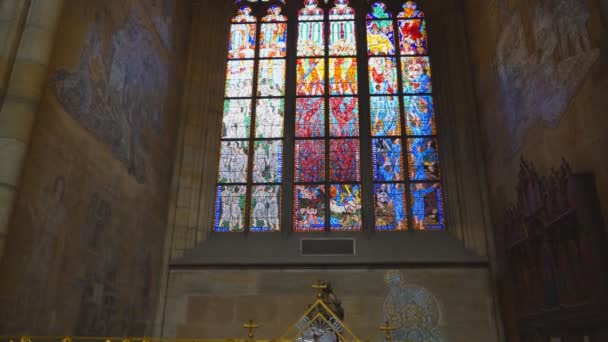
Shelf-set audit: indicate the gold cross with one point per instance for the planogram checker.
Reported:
(387, 329)
(319, 286)
(251, 326)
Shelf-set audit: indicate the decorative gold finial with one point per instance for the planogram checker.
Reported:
(126, 339)
(387, 330)
(146, 339)
(25, 339)
(67, 339)
(250, 326)
(319, 286)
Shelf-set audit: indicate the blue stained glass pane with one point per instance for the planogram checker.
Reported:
(382, 75)
(427, 206)
(385, 116)
(230, 208)
(268, 161)
(309, 208)
(420, 115)
(387, 159)
(389, 207)
(345, 207)
(239, 78)
(423, 160)
(269, 118)
(271, 80)
(273, 40)
(344, 118)
(237, 119)
(380, 38)
(233, 162)
(378, 11)
(310, 119)
(344, 160)
(242, 41)
(416, 75)
(266, 208)
(410, 10)
(243, 15)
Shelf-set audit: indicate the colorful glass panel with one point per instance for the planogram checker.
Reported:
(310, 118)
(273, 40)
(344, 160)
(416, 75)
(382, 75)
(420, 115)
(239, 78)
(387, 160)
(274, 14)
(310, 161)
(342, 38)
(378, 11)
(389, 207)
(427, 206)
(269, 118)
(343, 76)
(410, 10)
(342, 11)
(412, 36)
(345, 207)
(271, 78)
(311, 11)
(310, 76)
(237, 119)
(423, 159)
(233, 162)
(242, 41)
(230, 208)
(311, 39)
(385, 116)
(344, 117)
(309, 208)
(268, 161)
(380, 38)
(243, 15)
(265, 208)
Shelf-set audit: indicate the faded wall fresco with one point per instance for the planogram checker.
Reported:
(84, 249)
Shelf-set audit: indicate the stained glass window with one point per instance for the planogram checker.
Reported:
(401, 157)
(327, 154)
(251, 152)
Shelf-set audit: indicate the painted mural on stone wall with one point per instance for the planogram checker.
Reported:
(541, 62)
(412, 310)
(117, 90)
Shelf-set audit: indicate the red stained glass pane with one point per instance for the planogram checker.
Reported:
(310, 161)
(412, 37)
(310, 118)
(344, 118)
(344, 160)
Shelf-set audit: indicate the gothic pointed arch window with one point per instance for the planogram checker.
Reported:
(344, 137)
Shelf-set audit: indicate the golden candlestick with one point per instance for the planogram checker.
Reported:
(319, 286)
(387, 329)
(250, 326)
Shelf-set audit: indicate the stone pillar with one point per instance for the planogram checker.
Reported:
(604, 11)
(27, 28)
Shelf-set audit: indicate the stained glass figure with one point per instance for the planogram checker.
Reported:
(242, 41)
(420, 115)
(274, 14)
(239, 78)
(378, 11)
(382, 75)
(269, 118)
(387, 160)
(342, 41)
(310, 118)
(380, 38)
(410, 10)
(416, 75)
(345, 207)
(423, 159)
(344, 117)
(412, 36)
(311, 11)
(268, 161)
(244, 15)
(233, 162)
(385, 116)
(427, 206)
(343, 76)
(310, 161)
(341, 11)
(389, 207)
(311, 39)
(273, 40)
(230, 208)
(310, 76)
(265, 208)
(237, 119)
(344, 160)
(309, 208)
(271, 78)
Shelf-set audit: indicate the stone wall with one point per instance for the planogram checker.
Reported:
(541, 75)
(439, 304)
(83, 252)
